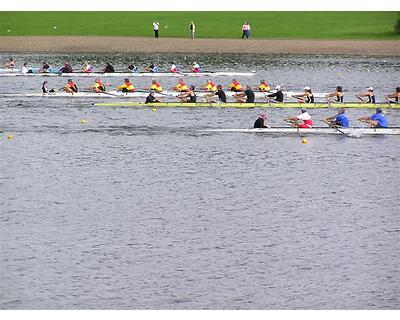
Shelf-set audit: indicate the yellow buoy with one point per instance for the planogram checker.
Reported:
(10, 137)
(154, 109)
(304, 140)
(83, 121)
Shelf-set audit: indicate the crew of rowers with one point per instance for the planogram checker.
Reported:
(216, 93)
(88, 68)
(304, 121)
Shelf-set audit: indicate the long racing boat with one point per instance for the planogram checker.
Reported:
(246, 105)
(18, 73)
(355, 131)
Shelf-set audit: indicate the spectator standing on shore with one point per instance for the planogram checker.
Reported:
(246, 30)
(155, 28)
(192, 29)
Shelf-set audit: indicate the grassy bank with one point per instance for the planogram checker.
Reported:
(285, 25)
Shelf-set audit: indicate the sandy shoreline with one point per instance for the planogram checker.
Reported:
(136, 44)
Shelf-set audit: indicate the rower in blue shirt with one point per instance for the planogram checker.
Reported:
(377, 120)
(339, 120)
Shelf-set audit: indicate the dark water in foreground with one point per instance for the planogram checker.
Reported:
(144, 210)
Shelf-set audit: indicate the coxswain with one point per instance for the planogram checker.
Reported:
(189, 96)
(338, 95)
(45, 88)
(261, 122)
(127, 86)
(303, 116)
(305, 97)
(151, 97)
(263, 86)
(10, 64)
(210, 86)
(71, 87)
(246, 96)
(195, 67)
(45, 68)
(278, 95)
(235, 86)
(151, 68)
(98, 86)
(155, 85)
(108, 68)
(338, 120)
(377, 120)
(132, 68)
(395, 96)
(66, 69)
(174, 68)
(181, 86)
(86, 67)
(220, 94)
(370, 94)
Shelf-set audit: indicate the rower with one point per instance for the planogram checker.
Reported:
(263, 86)
(45, 88)
(246, 96)
(10, 64)
(174, 68)
(181, 86)
(98, 86)
(25, 69)
(71, 87)
(395, 96)
(155, 86)
(66, 69)
(86, 67)
(189, 96)
(338, 120)
(45, 68)
(151, 97)
(195, 67)
(278, 95)
(132, 68)
(261, 122)
(235, 86)
(210, 86)
(370, 94)
(108, 68)
(338, 94)
(377, 120)
(151, 68)
(303, 116)
(220, 94)
(305, 97)
(127, 86)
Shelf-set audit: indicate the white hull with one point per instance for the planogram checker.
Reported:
(17, 73)
(319, 130)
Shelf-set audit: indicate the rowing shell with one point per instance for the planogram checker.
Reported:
(247, 105)
(139, 94)
(12, 73)
(356, 131)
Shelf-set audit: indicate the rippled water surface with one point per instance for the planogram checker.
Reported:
(142, 209)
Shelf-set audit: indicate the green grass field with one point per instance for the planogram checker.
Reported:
(284, 25)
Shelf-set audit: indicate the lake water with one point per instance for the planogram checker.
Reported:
(142, 209)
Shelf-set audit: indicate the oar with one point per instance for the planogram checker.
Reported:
(388, 101)
(104, 92)
(336, 128)
(360, 98)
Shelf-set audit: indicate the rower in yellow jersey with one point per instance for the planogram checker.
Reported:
(210, 86)
(263, 86)
(98, 86)
(181, 86)
(156, 86)
(127, 86)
